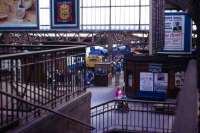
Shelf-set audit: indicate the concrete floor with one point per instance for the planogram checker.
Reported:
(103, 94)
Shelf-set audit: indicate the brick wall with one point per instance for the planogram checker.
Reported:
(157, 25)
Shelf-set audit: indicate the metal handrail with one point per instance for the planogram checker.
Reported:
(134, 116)
(35, 46)
(49, 110)
(137, 101)
(41, 52)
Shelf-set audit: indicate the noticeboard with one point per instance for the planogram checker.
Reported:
(19, 14)
(146, 81)
(177, 33)
(65, 14)
(153, 82)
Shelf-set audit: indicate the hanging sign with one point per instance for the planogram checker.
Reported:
(65, 14)
(155, 68)
(177, 33)
(174, 32)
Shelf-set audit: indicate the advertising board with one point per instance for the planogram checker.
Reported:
(65, 14)
(178, 33)
(19, 14)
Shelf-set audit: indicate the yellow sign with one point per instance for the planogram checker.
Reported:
(92, 60)
(64, 11)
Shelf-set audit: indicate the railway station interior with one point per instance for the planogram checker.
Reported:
(99, 66)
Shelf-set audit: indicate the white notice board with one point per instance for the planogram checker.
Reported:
(146, 81)
(174, 32)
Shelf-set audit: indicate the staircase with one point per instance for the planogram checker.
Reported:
(133, 116)
(22, 117)
(26, 92)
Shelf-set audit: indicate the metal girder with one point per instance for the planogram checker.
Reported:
(190, 6)
(180, 4)
(170, 6)
(89, 38)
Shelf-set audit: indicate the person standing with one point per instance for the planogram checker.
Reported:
(118, 73)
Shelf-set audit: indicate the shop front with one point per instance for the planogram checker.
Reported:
(154, 77)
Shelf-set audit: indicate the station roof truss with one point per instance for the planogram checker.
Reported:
(88, 38)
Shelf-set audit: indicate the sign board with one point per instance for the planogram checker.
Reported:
(179, 79)
(146, 81)
(174, 32)
(155, 68)
(153, 82)
(177, 33)
(19, 14)
(130, 80)
(160, 82)
(65, 14)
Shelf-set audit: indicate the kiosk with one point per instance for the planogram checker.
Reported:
(154, 77)
(102, 71)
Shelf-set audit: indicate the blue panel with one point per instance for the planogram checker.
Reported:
(188, 33)
(149, 95)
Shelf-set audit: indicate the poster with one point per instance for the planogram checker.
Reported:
(130, 80)
(179, 79)
(19, 14)
(65, 14)
(160, 82)
(146, 81)
(174, 32)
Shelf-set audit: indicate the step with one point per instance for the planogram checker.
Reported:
(10, 125)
